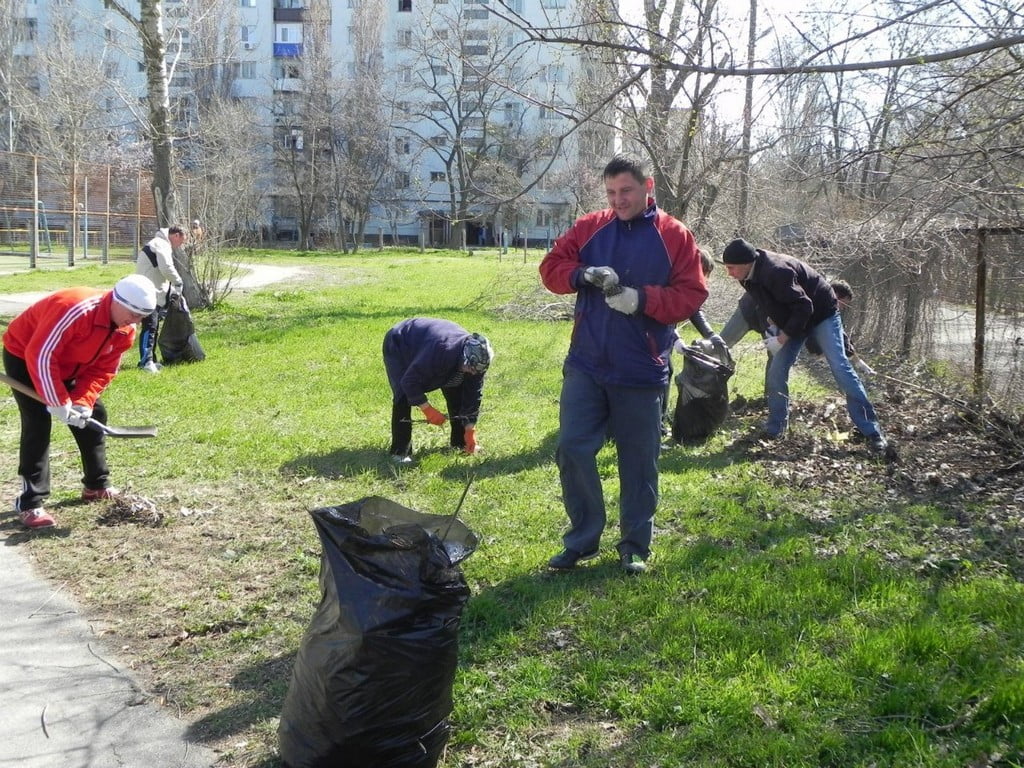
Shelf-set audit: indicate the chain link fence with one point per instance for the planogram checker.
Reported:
(52, 215)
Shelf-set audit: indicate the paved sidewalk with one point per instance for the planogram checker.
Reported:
(66, 701)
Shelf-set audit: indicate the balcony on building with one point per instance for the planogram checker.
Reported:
(290, 10)
(287, 50)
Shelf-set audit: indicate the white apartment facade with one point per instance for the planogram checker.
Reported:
(456, 72)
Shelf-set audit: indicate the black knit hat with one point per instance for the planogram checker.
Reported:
(739, 251)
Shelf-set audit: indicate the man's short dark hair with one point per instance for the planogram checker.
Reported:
(624, 164)
(842, 289)
(175, 230)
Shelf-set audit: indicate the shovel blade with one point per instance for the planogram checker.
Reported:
(110, 431)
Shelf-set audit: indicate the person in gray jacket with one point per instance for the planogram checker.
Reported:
(156, 262)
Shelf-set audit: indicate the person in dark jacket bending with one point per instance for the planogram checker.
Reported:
(802, 305)
(636, 272)
(424, 354)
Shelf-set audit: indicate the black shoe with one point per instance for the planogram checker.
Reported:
(878, 444)
(632, 563)
(764, 434)
(567, 559)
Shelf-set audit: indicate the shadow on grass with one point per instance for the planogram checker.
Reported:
(264, 685)
(346, 462)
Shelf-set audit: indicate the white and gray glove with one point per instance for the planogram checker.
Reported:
(626, 301)
(67, 414)
(601, 277)
(863, 367)
(771, 340)
(678, 346)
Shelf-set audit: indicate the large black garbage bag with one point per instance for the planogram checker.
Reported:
(372, 683)
(177, 339)
(702, 402)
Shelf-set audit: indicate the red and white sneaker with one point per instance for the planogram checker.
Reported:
(36, 518)
(96, 494)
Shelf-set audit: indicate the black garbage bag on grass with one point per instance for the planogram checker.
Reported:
(177, 338)
(372, 682)
(702, 402)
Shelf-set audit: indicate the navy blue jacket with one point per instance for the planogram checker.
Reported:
(423, 354)
(653, 253)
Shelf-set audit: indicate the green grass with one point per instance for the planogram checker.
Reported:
(763, 636)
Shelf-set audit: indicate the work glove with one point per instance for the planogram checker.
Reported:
(771, 339)
(773, 344)
(716, 340)
(601, 277)
(470, 440)
(83, 410)
(67, 414)
(433, 415)
(678, 346)
(626, 301)
(863, 367)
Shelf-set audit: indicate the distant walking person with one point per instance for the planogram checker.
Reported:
(424, 354)
(636, 272)
(67, 347)
(156, 262)
(801, 305)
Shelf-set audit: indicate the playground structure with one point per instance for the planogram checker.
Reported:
(50, 213)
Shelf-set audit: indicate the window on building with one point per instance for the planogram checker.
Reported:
(438, 176)
(511, 111)
(405, 74)
(110, 35)
(553, 73)
(110, 69)
(248, 33)
(548, 113)
(402, 180)
(402, 146)
(405, 6)
(292, 139)
(247, 70)
(476, 34)
(475, 50)
(403, 107)
(404, 37)
(440, 34)
(475, 14)
(247, 3)
(516, 6)
(543, 218)
(441, 140)
(438, 69)
(438, 106)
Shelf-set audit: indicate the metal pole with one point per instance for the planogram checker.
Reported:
(981, 279)
(33, 247)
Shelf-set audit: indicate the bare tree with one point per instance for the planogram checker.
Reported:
(149, 25)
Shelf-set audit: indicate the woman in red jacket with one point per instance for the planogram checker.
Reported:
(68, 346)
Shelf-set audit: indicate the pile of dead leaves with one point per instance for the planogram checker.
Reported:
(131, 509)
(943, 453)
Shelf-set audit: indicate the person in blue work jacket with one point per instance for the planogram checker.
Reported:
(424, 354)
(636, 272)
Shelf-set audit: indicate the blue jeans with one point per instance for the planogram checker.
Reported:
(588, 412)
(829, 336)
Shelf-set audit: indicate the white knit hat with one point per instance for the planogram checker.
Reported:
(137, 293)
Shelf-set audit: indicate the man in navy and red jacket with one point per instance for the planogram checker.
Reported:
(636, 272)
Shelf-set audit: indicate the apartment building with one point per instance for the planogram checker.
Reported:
(470, 111)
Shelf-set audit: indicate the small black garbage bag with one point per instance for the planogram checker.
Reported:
(177, 339)
(702, 402)
(372, 682)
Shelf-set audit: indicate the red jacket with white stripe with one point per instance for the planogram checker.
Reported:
(70, 336)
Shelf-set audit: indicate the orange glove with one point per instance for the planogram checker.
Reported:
(433, 415)
(470, 440)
